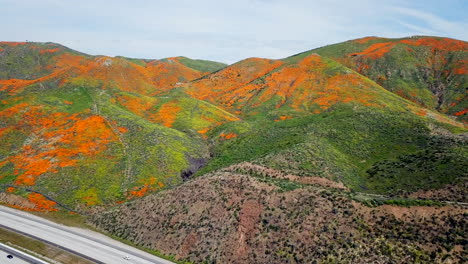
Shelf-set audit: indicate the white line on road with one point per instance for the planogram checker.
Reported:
(85, 242)
(18, 256)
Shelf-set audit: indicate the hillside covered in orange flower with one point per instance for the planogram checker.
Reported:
(97, 130)
(76, 127)
(430, 71)
(29, 63)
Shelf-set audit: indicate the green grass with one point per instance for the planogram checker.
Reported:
(202, 65)
(141, 62)
(147, 150)
(374, 201)
(411, 71)
(347, 145)
(65, 218)
(385, 149)
(26, 61)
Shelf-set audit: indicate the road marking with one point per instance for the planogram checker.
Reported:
(83, 242)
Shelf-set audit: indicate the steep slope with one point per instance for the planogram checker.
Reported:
(430, 71)
(75, 145)
(314, 117)
(29, 63)
(262, 161)
(81, 129)
(177, 110)
(214, 87)
(237, 217)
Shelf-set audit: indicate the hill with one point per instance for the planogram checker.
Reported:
(430, 71)
(237, 217)
(308, 158)
(77, 127)
(315, 117)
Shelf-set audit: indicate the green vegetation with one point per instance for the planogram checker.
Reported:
(353, 145)
(141, 62)
(202, 65)
(425, 70)
(65, 218)
(328, 122)
(375, 200)
(99, 131)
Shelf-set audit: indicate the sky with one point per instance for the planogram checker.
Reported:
(225, 31)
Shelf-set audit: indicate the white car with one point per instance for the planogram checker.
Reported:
(127, 258)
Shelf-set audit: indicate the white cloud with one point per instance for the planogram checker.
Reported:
(435, 23)
(226, 31)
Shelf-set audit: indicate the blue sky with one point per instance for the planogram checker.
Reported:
(226, 31)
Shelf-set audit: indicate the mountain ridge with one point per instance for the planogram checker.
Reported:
(262, 144)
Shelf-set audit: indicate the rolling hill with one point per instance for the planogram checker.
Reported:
(192, 157)
(430, 71)
(76, 127)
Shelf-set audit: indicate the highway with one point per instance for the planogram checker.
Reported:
(16, 256)
(86, 243)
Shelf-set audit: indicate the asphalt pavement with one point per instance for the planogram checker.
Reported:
(86, 243)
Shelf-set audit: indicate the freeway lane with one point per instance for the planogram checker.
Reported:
(93, 245)
(18, 257)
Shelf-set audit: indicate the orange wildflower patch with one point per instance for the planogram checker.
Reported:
(462, 112)
(462, 67)
(445, 44)
(421, 112)
(168, 73)
(228, 135)
(203, 131)
(42, 203)
(296, 85)
(282, 118)
(36, 202)
(151, 184)
(341, 88)
(461, 71)
(57, 140)
(364, 40)
(225, 84)
(122, 129)
(44, 51)
(68, 102)
(13, 86)
(9, 112)
(127, 76)
(12, 44)
(138, 105)
(376, 50)
(67, 60)
(11, 189)
(167, 114)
